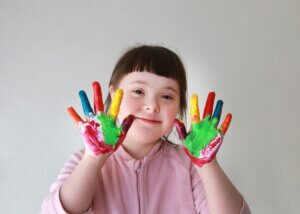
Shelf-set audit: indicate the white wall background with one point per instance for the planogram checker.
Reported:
(246, 51)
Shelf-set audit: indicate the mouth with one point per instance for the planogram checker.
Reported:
(149, 121)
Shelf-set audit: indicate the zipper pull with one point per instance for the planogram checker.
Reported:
(137, 165)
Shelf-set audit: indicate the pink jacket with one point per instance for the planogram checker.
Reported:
(165, 181)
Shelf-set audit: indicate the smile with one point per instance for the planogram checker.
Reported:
(149, 121)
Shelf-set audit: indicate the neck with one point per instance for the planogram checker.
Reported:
(138, 150)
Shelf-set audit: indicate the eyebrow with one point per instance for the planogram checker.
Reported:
(145, 83)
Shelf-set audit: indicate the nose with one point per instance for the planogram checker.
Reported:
(151, 106)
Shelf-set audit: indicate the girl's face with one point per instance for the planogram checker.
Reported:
(153, 100)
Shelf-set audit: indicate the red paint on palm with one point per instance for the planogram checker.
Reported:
(93, 138)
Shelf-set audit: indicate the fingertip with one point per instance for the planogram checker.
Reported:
(76, 118)
(96, 84)
(177, 121)
(119, 92)
(220, 102)
(127, 122)
(211, 94)
(130, 118)
(194, 96)
(82, 93)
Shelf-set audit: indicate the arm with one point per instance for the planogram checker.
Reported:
(201, 144)
(101, 137)
(76, 193)
(222, 196)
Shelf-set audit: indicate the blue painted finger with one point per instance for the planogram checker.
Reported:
(218, 111)
(86, 106)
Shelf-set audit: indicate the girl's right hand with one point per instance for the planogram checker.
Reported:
(99, 131)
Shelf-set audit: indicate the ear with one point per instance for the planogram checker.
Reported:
(111, 92)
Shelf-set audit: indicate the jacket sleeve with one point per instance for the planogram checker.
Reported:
(52, 203)
(200, 197)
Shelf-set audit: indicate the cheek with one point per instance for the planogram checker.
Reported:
(128, 106)
(171, 115)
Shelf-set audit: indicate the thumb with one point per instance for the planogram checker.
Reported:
(180, 127)
(127, 122)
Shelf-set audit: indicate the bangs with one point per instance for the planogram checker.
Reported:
(157, 60)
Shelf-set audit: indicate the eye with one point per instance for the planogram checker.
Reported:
(167, 97)
(137, 91)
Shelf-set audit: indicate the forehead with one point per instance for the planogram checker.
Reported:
(150, 79)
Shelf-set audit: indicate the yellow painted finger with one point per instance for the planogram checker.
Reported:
(194, 109)
(115, 105)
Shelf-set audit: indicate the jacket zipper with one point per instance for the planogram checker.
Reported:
(137, 171)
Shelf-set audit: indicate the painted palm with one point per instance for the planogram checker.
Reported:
(204, 139)
(99, 131)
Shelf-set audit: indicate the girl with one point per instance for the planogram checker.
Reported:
(128, 165)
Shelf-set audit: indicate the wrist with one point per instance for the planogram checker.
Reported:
(99, 159)
(208, 167)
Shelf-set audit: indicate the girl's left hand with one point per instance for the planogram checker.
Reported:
(204, 139)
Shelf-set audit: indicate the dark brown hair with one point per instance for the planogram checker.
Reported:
(155, 59)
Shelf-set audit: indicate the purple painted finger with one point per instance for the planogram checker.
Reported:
(127, 123)
(180, 127)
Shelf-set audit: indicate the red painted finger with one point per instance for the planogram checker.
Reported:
(225, 124)
(98, 102)
(209, 104)
(74, 115)
(180, 127)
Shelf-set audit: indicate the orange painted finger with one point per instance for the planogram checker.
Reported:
(116, 103)
(225, 124)
(194, 109)
(209, 104)
(74, 115)
(98, 101)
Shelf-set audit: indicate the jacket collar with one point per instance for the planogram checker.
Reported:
(121, 153)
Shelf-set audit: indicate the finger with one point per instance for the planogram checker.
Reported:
(180, 127)
(194, 109)
(226, 124)
(77, 119)
(98, 102)
(218, 112)
(127, 123)
(86, 106)
(209, 104)
(115, 105)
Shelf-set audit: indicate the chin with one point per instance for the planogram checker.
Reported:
(143, 135)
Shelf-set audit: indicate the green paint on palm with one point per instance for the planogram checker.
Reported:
(201, 134)
(109, 129)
